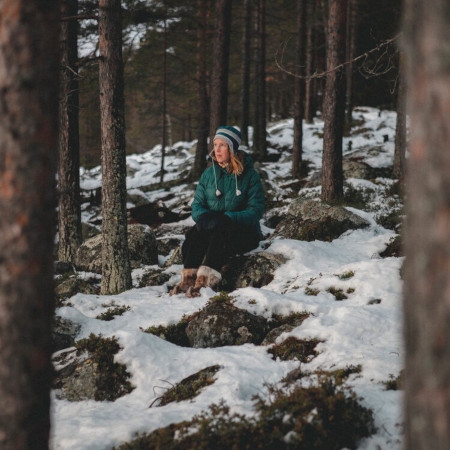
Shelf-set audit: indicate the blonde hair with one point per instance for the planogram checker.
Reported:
(236, 163)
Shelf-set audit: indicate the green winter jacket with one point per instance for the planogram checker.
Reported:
(245, 209)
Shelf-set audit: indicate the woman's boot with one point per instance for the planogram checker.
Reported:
(206, 277)
(188, 277)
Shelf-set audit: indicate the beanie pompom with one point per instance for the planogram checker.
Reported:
(231, 135)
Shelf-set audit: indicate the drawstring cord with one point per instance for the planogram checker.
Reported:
(218, 193)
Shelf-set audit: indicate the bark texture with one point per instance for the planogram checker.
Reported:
(69, 212)
(116, 272)
(203, 98)
(400, 127)
(299, 91)
(427, 263)
(259, 134)
(28, 149)
(220, 64)
(334, 104)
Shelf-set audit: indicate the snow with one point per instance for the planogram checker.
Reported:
(363, 330)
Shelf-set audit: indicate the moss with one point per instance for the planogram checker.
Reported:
(174, 333)
(112, 312)
(359, 197)
(323, 416)
(393, 248)
(294, 318)
(394, 383)
(294, 348)
(189, 387)
(222, 297)
(327, 230)
(326, 416)
(346, 275)
(311, 291)
(113, 379)
(338, 293)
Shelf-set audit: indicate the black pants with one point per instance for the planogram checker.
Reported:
(213, 247)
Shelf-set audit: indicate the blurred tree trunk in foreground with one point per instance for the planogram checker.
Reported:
(334, 104)
(69, 212)
(427, 236)
(116, 271)
(29, 62)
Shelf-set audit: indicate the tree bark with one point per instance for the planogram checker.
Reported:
(69, 211)
(29, 58)
(400, 127)
(203, 99)
(352, 15)
(299, 91)
(246, 67)
(334, 105)
(116, 272)
(310, 104)
(220, 65)
(427, 231)
(259, 133)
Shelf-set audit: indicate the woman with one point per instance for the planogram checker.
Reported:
(227, 207)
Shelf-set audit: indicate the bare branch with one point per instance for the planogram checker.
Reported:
(379, 68)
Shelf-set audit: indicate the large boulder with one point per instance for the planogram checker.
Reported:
(142, 248)
(254, 270)
(352, 168)
(220, 323)
(309, 220)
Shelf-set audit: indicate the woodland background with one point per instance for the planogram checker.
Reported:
(375, 76)
(169, 70)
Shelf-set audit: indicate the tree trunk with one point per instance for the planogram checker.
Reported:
(116, 272)
(259, 134)
(221, 57)
(310, 104)
(299, 91)
(427, 232)
(400, 128)
(202, 89)
(29, 58)
(246, 56)
(334, 105)
(352, 14)
(69, 211)
(164, 101)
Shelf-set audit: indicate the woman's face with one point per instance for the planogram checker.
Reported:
(221, 151)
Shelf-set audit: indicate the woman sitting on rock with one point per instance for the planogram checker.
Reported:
(227, 207)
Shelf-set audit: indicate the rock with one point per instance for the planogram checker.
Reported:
(255, 270)
(154, 277)
(67, 287)
(63, 267)
(351, 168)
(63, 333)
(142, 249)
(76, 377)
(310, 220)
(220, 323)
(142, 246)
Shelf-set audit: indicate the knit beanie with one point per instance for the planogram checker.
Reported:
(231, 135)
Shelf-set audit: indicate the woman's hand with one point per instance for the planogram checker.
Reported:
(210, 220)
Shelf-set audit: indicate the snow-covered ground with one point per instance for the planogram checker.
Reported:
(363, 330)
